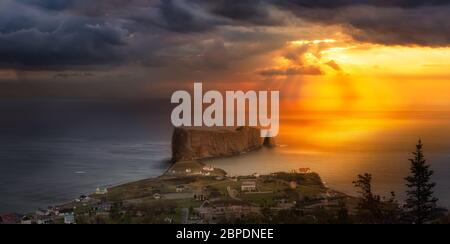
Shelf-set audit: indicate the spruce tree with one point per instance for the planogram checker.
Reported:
(372, 208)
(420, 203)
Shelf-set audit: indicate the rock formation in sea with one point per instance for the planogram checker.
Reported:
(194, 144)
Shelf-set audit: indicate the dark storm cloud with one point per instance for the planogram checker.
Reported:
(50, 4)
(390, 22)
(31, 38)
(333, 4)
(186, 16)
(74, 43)
(54, 34)
(50, 34)
(247, 11)
(424, 26)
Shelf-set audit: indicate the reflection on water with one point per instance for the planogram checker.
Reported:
(341, 146)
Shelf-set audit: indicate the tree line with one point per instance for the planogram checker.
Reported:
(420, 206)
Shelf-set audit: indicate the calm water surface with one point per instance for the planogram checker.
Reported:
(52, 151)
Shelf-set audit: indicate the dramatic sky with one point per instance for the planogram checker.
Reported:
(328, 54)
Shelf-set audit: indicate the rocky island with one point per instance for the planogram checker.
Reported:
(196, 144)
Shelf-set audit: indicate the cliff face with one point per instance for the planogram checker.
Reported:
(195, 144)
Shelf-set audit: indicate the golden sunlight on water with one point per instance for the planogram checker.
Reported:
(366, 118)
(339, 146)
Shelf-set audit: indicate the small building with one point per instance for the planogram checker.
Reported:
(248, 186)
(86, 199)
(304, 171)
(43, 220)
(180, 188)
(208, 168)
(101, 191)
(26, 220)
(157, 196)
(69, 218)
(53, 211)
(256, 175)
(188, 170)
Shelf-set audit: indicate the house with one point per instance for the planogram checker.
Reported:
(248, 185)
(53, 211)
(201, 195)
(69, 218)
(26, 220)
(180, 188)
(9, 219)
(43, 220)
(208, 168)
(101, 191)
(87, 199)
(304, 171)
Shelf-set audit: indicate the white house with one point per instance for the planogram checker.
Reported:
(208, 168)
(69, 218)
(180, 188)
(248, 185)
(101, 191)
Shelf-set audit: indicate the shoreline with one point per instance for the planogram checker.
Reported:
(189, 185)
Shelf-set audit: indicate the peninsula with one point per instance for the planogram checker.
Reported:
(191, 192)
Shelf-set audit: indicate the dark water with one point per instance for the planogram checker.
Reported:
(52, 151)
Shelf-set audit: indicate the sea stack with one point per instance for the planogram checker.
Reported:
(195, 143)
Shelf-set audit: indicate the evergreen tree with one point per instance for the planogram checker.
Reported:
(369, 205)
(373, 209)
(420, 204)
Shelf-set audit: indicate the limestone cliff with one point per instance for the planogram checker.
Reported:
(195, 144)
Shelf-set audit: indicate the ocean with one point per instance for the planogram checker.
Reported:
(54, 150)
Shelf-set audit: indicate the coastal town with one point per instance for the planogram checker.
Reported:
(194, 193)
